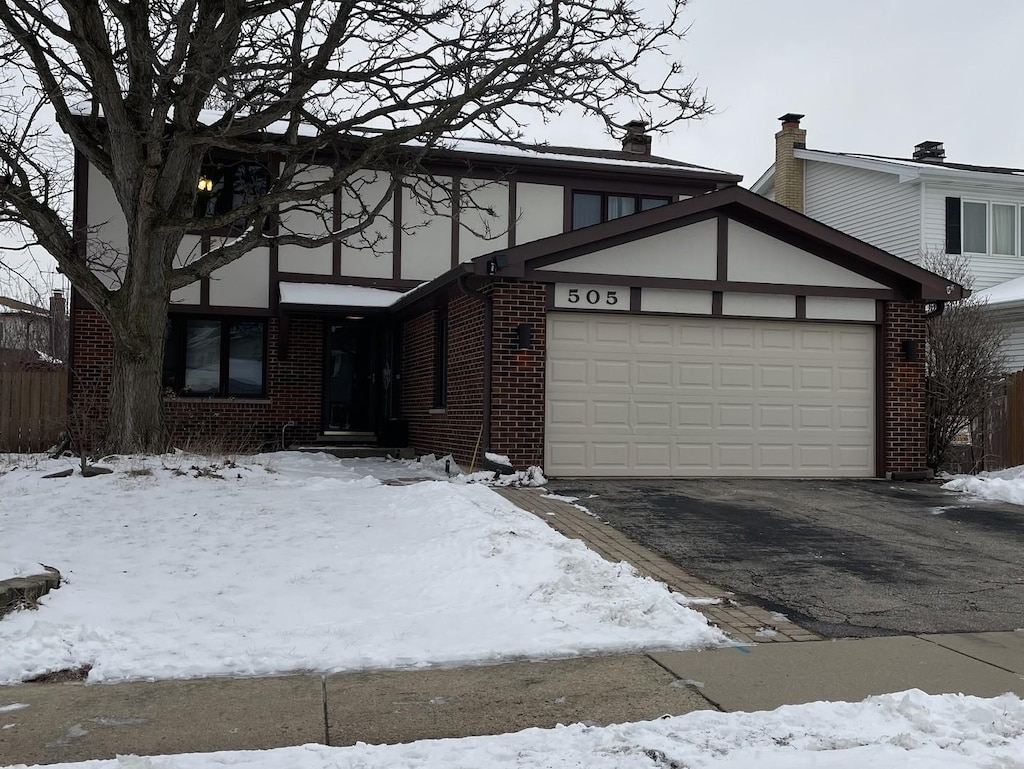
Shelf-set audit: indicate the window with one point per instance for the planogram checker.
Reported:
(231, 185)
(984, 227)
(214, 357)
(441, 360)
(1004, 229)
(975, 226)
(595, 207)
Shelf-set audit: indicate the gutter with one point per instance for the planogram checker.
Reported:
(488, 304)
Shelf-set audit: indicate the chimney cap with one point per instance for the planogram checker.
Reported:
(636, 140)
(933, 151)
(636, 127)
(791, 117)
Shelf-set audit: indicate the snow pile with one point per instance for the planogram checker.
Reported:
(498, 459)
(1000, 485)
(175, 568)
(910, 730)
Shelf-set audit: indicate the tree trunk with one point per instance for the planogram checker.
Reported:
(135, 420)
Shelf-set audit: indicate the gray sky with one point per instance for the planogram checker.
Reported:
(872, 76)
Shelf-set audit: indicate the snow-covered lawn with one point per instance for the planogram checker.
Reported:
(910, 730)
(1000, 485)
(304, 562)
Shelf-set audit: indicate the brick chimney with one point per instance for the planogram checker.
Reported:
(636, 139)
(58, 326)
(789, 171)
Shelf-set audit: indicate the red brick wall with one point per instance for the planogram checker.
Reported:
(457, 430)
(905, 427)
(517, 411)
(294, 389)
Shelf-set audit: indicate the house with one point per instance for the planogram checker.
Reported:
(913, 206)
(32, 336)
(595, 312)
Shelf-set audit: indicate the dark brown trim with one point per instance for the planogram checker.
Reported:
(567, 208)
(513, 213)
(284, 335)
(243, 312)
(881, 398)
(879, 311)
(716, 304)
(635, 299)
(455, 208)
(722, 266)
(801, 307)
(388, 283)
(336, 245)
(204, 283)
(396, 231)
(551, 276)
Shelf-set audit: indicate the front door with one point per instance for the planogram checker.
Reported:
(350, 389)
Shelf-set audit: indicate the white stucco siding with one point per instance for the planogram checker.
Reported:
(755, 257)
(426, 228)
(540, 211)
(107, 248)
(187, 295)
(244, 282)
(369, 253)
(988, 270)
(189, 250)
(840, 308)
(483, 220)
(759, 305)
(688, 252)
(870, 205)
(312, 219)
(675, 301)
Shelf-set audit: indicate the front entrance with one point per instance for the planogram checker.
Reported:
(350, 403)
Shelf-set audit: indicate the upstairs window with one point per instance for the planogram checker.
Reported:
(984, 227)
(595, 207)
(225, 187)
(215, 357)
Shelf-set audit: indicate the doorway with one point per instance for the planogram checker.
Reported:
(350, 370)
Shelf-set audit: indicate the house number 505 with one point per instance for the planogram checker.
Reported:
(593, 297)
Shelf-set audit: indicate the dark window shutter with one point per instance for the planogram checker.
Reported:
(953, 226)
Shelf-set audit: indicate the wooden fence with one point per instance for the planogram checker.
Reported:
(1012, 438)
(33, 408)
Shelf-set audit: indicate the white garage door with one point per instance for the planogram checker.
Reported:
(654, 396)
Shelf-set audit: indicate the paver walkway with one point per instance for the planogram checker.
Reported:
(741, 621)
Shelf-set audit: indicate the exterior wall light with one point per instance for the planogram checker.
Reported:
(205, 184)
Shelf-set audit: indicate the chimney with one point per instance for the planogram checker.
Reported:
(789, 171)
(58, 326)
(930, 152)
(636, 139)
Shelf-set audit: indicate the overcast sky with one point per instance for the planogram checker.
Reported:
(872, 76)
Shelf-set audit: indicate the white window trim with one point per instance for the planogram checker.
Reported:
(963, 227)
(1018, 223)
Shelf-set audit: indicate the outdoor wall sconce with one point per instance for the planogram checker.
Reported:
(205, 184)
(498, 262)
(910, 350)
(524, 336)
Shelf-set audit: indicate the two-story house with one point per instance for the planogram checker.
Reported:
(914, 206)
(596, 312)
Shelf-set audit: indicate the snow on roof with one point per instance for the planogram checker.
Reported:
(335, 295)
(1003, 293)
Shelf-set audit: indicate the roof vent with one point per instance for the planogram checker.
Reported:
(636, 139)
(929, 152)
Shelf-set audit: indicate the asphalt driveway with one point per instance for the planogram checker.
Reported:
(842, 558)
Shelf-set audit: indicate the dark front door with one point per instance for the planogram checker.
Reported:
(350, 403)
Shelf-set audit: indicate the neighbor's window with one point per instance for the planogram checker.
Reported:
(215, 357)
(1004, 229)
(595, 207)
(441, 360)
(975, 226)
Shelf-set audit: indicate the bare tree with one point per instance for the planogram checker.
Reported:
(965, 361)
(148, 91)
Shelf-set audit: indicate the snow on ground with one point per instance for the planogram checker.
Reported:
(1000, 485)
(305, 562)
(910, 730)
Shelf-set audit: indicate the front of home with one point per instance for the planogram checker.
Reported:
(593, 312)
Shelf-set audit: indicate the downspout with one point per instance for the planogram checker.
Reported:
(488, 304)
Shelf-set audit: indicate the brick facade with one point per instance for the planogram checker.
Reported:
(457, 429)
(903, 390)
(294, 389)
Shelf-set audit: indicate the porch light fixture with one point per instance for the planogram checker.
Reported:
(205, 185)
(498, 262)
(910, 350)
(524, 336)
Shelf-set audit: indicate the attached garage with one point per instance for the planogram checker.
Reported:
(659, 396)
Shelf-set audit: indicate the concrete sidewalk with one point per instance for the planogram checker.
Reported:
(74, 722)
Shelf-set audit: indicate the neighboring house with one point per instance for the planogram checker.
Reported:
(914, 206)
(31, 334)
(630, 315)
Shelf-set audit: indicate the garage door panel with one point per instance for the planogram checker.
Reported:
(709, 397)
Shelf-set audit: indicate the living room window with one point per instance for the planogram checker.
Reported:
(214, 357)
(590, 208)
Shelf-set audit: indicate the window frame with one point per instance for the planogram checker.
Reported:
(177, 324)
(964, 202)
(218, 167)
(606, 195)
(958, 230)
